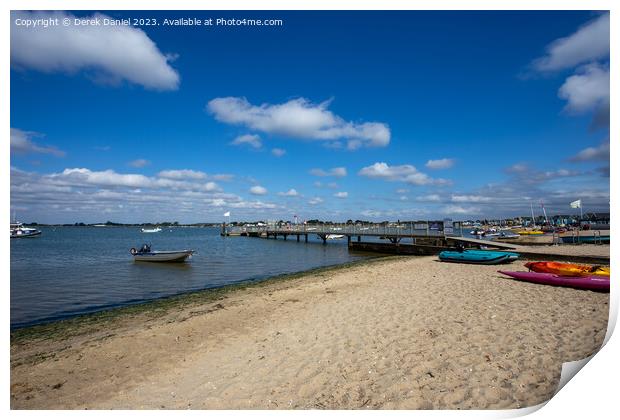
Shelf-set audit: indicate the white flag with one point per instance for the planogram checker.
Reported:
(576, 204)
(227, 214)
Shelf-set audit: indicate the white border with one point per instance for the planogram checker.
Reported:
(592, 394)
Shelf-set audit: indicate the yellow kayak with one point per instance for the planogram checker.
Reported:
(530, 232)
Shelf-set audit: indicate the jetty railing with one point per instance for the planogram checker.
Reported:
(403, 230)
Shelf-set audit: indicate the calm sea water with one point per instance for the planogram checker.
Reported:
(70, 271)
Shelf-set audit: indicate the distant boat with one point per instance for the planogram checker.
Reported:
(157, 229)
(508, 235)
(332, 236)
(18, 230)
(146, 254)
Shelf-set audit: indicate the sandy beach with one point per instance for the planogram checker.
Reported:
(390, 333)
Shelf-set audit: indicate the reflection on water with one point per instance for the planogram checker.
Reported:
(74, 270)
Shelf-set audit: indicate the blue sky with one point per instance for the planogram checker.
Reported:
(333, 115)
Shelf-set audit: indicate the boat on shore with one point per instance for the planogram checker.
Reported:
(472, 256)
(598, 283)
(155, 230)
(567, 269)
(18, 230)
(146, 254)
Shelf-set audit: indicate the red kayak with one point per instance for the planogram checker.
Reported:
(599, 283)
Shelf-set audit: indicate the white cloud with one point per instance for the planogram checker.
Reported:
(430, 198)
(300, 119)
(402, 173)
(593, 153)
(525, 174)
(338, 172)
(110, 178)
(278, 152)
(132, 197)
(115, 53)
(316, 200)
(341, 194)
(258, 190)
(518, 168)
(182, 174)
(469, 198)
(440, 163)
(190, 174)
(452, 209)
(290, 193)
(249, 139)
(587, 90)
(590, 42)
(139, 163)
(21, 142)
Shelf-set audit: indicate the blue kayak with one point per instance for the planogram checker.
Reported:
(474, 256)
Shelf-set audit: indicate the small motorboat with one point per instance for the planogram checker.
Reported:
(508, 235)
(146, 254)
(599, 283)
(155, 230)
(334, 236)
(474, 256)
(567, 269)
(18, 230)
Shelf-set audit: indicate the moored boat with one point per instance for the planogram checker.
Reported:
(146, 254)
(334, 236)
(155, 230)
(478, 256)
(530, 232)
(508, 235)
(18, 230)
(567, 269)
(599, 283)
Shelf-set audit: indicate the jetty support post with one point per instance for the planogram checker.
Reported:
(306, 235)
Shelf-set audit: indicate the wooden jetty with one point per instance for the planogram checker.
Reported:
(411, 239)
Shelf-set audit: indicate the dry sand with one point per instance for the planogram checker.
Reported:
(395, 333)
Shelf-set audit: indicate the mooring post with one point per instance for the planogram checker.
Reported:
(297, 238)
(348, 240)
(359, 239)
(306, 235)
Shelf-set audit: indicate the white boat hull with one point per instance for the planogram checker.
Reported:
(163, 256)
(25, 234)
(332, 236)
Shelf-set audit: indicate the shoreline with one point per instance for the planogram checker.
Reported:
(390, 332)
(46, 328)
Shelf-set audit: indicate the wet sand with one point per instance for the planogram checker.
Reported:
(394, 333)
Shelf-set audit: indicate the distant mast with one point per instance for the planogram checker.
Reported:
(532, 209)
(544, 212)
